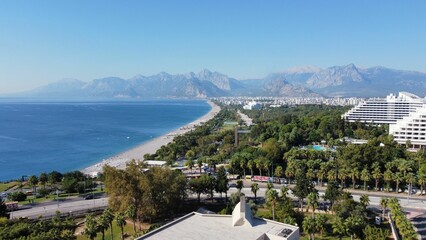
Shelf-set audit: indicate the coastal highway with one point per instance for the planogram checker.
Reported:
(413, 207)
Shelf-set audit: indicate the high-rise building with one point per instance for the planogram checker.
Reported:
(385, 110)
(411, 128)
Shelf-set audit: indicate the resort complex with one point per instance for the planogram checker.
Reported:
(385, 110)
(405, 114)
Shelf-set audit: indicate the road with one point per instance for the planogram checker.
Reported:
(413, 207)
(49, 209)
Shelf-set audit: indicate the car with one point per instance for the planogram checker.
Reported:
(232, 185)
(90, 196)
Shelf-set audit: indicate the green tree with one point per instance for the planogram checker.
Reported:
(364, 200)
(388, 176)
(354, 174)
(278, 171)
(222, 182)
(240, 185)
(250, 165)
(109, 218)
(272, 199)
(309, 227)
(189, 163)
(91, 228)
(33, 181)
(365, 176)
(384, 205)
(312, 201)
(332, 192)
(120, 219)
(103, 224)
(321, 223)
(254, 189)
(69, 184)
(374, 233)
(302, 189)
(377, 174)
(339, 227)
(43, 178)
(131, 213)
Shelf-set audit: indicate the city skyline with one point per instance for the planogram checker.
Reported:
(47, 41)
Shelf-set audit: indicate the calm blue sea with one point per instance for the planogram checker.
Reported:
(44, 136)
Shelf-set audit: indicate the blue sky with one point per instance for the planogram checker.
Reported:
(45, 41)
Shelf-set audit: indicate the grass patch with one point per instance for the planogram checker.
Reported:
(128, 230)
(6, 186)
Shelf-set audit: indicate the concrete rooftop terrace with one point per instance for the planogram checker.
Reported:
(240, 225)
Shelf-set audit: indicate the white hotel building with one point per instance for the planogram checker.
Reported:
(405, 114)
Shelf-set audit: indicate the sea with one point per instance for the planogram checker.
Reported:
(41, 136)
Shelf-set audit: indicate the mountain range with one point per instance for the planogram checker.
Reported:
(308, 81)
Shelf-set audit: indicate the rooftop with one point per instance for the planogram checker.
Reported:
(240, 225)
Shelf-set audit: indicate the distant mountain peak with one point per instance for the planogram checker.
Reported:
(303, 69)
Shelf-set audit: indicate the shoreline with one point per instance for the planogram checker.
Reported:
(151, 146)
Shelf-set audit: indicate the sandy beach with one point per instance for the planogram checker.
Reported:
(151, 146)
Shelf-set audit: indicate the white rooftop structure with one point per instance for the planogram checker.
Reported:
(155, 163)
(252, 105)
(240, 225)
(385, 110)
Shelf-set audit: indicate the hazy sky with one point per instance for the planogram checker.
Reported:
(45, 41)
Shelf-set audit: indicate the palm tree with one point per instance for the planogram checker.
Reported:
(309, 227)
(91, 228)
(310, 174)
(43, 179)
(422, 180)
(331, 175)
(343, 174)
(120, 219)
(352, 224)
(279, 171)
(384, 205)
(131, 213)
(189, 163)
(404, 166)
(320, 222)
(103, 224)
(284, 191)
(312, 201)
(410, 178)
(354, 174)
(267, 166)
(200, 163)
(240, 185)
(376, 173)
(365, 176)
(291, 169)
(322, 173)
(33, 181)
(254, 189)
(109, 217)
(398, 177)
(250, 165)
(339, 227)
(364, 200)
(243, 165)
(259, 164)
(272, 198)
(388, 177)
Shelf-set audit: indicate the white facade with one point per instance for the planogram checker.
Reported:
(411, 128)
(252, 105)
(385, 110)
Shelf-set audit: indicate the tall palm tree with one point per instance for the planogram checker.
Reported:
(388, 176)
(343, 173)
(321, 174)
(398, 178)
(120, 219)
(376, 173)
(422, 181)
(243, 165)
(109, 217)
(321, 222)
(254, 189)
(354, 174)
(91, 228)
(259, 164)
(364, 200)
(312, 201)
(190, 164)
(310, 174)
(272, 198)
(404, 166)
(384, 205)
(250, 165)
(131, 213)
(365, 176)
(339, 227)
(103, 224)
(267, 166)
(309, 227)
